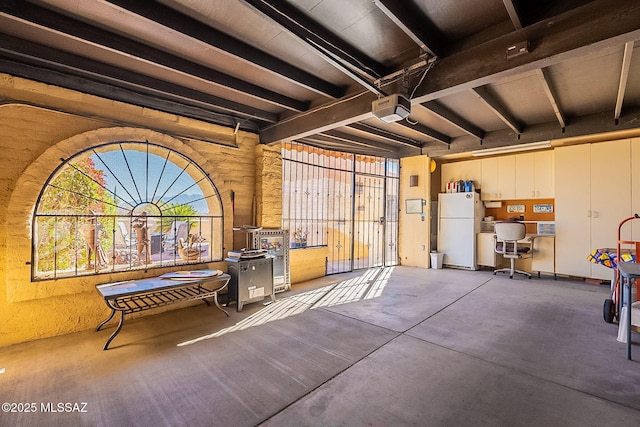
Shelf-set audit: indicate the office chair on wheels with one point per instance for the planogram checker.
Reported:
(506, 244)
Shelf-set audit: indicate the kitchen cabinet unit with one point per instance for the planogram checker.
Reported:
(592, 195)
(543, 257)
(498, 178)
(535, 175)
(468, 170)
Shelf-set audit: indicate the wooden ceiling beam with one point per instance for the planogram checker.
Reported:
(52, 66)
(348, 59)
(386, 135)
(184, 24)
(624, 75)
(329, 143)
(496, 106)
(40, 16)
(597, 25)
(414, 24)
(513, 14)
(592, 128)
(357, 140)
(425, 131)
(545, 81)
(120, 94)
(454, 119)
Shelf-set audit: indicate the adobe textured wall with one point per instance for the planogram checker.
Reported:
(269, 186)
(39, 125)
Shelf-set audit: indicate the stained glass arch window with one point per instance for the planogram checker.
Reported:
(125, 206)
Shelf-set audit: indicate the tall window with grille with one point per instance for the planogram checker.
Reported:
(125, 206)
(346, 202)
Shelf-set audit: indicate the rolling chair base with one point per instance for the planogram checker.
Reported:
(512, 272)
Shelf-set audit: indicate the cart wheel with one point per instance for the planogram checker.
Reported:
(609, 311)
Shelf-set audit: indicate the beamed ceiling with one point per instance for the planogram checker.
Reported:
(308, 70)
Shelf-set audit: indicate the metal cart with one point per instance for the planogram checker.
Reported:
(613, 306)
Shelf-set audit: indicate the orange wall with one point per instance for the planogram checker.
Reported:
(501, 214)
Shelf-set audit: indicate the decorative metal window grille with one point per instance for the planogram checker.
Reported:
(125, 206)
(345, 201)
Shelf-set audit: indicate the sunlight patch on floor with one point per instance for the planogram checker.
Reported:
(369, 285)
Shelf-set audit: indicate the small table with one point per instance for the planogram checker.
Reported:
(138, 295)
(628, 271)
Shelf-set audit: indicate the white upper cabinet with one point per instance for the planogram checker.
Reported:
(544, 174)
(507, 177)
(535, 175)
(519, 176)
(468, 170)
(498, 178)
(489, 185)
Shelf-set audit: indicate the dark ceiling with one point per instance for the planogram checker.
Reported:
(308, 70)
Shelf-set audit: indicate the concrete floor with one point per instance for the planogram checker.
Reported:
(385, 347)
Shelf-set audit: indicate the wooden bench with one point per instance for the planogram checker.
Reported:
(132, 296)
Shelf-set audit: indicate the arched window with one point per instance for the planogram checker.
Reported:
(125, 206)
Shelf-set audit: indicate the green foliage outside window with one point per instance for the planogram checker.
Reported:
(61, 240)
(178, 212)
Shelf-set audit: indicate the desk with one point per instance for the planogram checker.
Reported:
(629, 271)
(138, 295)
(542, 258)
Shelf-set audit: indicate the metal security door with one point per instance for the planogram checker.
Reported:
(368, 222)
(339, 221)
(363, 230)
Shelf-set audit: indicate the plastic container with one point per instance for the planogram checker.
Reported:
(436, 260)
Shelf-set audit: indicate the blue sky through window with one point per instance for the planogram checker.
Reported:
(138, 177)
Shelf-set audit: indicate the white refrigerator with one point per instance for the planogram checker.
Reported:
(459, 218)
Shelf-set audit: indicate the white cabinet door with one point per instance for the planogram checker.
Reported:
(535, 175)
(485, 252)
(544, 175)
(498, 178)
(610, 197)
(543, 257)
(525, 176)
(507, 178)
(489, 181)
(572, 205)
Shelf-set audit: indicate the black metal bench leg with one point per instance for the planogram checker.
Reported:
(215, 300)
(113, 335)
(104, 322)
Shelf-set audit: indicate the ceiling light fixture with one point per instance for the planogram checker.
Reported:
(511, 149)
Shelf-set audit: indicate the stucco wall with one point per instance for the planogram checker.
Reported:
(39, 126)
(413, 245)
(308, 263)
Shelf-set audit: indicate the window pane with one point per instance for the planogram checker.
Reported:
(125, 206)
